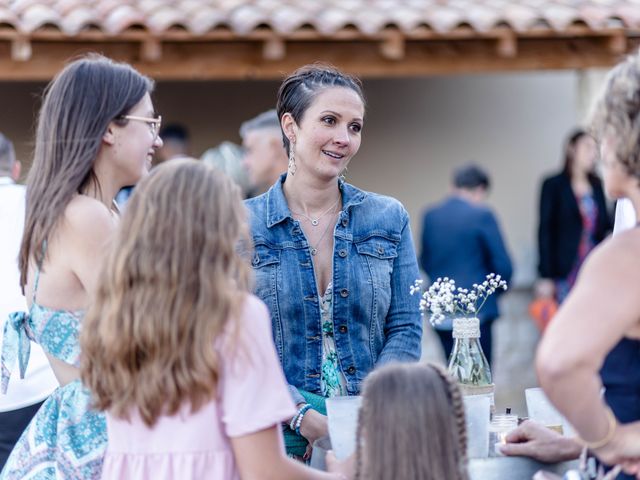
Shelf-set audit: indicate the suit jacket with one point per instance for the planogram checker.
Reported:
(462, 241)
(560, 225)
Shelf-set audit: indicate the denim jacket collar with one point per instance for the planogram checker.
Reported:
(278, 210)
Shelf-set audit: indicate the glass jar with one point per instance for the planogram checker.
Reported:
(468, 363)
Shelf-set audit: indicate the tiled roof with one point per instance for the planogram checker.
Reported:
(316, 17)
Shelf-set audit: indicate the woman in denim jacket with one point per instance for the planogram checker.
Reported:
(333, 263)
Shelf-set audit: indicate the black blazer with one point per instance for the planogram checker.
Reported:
(560, 226)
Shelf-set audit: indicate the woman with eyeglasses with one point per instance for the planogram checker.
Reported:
(96, 133)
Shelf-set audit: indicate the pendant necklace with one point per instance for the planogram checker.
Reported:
(316, 221)
(314, 250)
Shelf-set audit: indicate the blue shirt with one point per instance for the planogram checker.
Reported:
(462, 241)
(375, 318)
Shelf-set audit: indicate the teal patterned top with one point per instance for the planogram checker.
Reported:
(57, 332)
(332, 381)
(67, 438)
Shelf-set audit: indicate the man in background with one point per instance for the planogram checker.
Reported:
(461, 240)
(265, 157)
(175, 143)
(24, 396)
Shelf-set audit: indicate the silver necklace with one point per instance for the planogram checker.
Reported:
(314, 249)
(316, 221)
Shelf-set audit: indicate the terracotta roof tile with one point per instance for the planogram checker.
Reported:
(289, 18)
(629, 14)
(164, 18)
(443, 19)
(332, 19)
(520, 17)
(8, 17)
(122, 17)
(35, 16)
(78, 19)
(206, 19)
(325, 16)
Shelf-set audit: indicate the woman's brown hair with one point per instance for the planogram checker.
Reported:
(298, 90)
(411, 425)
(78, 106)
(173, 282)
(570, 148)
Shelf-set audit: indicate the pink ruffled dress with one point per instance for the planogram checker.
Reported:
(251, 396)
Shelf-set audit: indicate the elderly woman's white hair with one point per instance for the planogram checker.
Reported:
(227, 157)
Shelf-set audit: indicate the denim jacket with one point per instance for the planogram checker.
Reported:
(375, 318)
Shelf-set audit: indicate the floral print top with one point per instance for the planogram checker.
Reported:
(589, 213)
(332, 381)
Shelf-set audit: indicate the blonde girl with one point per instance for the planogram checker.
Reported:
(176, 351)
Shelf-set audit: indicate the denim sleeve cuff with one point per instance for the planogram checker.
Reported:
(295, 395)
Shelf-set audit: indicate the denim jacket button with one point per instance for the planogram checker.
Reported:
(342, 253)
(345, 222)
(351, 370)
(380, 250)
(343, 329)
(256, 260)
(344, 293)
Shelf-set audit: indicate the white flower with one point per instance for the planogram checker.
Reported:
(443, 299)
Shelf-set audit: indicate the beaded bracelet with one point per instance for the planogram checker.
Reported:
(292, 424)
(301, 415)
(611, 431)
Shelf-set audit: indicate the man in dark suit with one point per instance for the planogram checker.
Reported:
(461, 240)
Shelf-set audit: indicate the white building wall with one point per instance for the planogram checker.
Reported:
(416, 131)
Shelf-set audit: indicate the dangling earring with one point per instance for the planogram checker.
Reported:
(343, 174)
(292, 159)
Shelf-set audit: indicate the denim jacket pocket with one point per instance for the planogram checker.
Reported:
(378, 254)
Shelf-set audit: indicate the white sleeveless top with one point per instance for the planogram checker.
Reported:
(39, 380)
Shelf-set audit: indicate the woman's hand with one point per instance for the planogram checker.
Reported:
(536, 441)
(314, 426)
(544, 288)
(346, 467)
(624, 448)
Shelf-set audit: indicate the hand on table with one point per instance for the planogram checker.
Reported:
(536, 441)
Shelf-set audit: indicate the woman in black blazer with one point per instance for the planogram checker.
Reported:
(573, 215)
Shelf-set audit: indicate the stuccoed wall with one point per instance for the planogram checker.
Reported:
(416, 131)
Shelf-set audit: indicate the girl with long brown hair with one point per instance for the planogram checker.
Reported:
(411, 426)
(176, 349)
(96, 133)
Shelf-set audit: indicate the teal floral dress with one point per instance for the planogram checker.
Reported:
(332, 381)
(66, 439)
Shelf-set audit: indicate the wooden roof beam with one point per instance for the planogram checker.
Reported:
(21, 49)
(507, 45)
(393, 47)
(617, 43)
(274, 48)
(151, 50)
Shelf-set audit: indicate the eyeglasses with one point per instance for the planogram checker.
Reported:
(154, 123)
